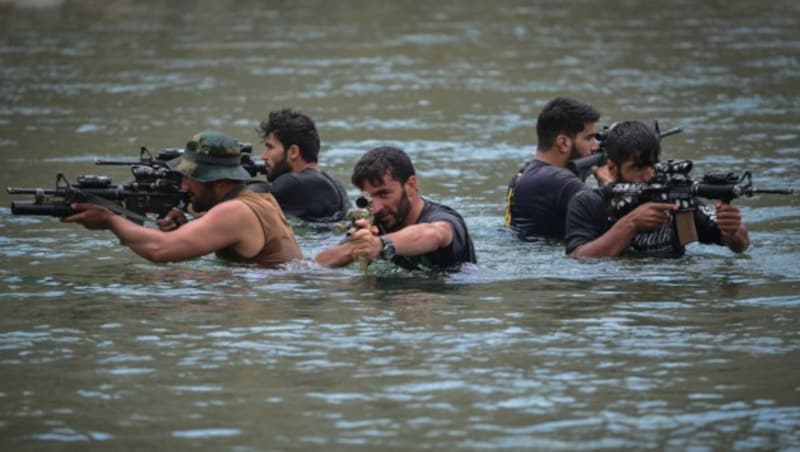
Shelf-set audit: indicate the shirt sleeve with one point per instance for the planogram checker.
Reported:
(586, 219)
(572, 186)
(459, 243)
(285, 189)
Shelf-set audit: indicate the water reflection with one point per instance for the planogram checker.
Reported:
(528, 349)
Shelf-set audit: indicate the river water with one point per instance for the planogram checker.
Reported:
(100, 349)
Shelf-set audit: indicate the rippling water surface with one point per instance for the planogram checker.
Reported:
(526, 350)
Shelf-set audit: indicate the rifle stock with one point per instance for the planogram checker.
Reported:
(584, 165)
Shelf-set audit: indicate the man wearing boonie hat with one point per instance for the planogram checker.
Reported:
(238, 225)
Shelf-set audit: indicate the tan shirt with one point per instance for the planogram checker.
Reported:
(280, 245)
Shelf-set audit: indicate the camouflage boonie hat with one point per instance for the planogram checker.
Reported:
(211, 156)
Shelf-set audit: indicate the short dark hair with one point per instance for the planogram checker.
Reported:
(292, 128)
(563, 115)
(633, 140)
(373, 165)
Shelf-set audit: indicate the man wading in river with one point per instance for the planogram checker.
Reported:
(650, 229)
(300, 186)
(238, 224)
(412, 232)
(539, 194)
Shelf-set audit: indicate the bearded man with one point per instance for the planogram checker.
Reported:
(539, 194)
(301, 187)
(410, 231)
(238, 224)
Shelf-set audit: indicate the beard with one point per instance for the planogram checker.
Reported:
(399, 215)
(279, 168)
(203, 200)
(574, 153)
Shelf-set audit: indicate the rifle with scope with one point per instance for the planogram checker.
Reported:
(150, 193)
(672, 184)
(167, 154)
(155, 189)
(583, 166)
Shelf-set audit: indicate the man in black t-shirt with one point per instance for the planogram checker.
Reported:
(588, 220)
(301, 188)
(633, 149)
(311, 195)
(538, 195)
(412, 232)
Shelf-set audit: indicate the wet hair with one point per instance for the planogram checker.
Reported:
(292, 128)
(373, 165)
(633, 140)
(563, 115)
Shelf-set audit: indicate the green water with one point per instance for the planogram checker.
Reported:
(529, 350)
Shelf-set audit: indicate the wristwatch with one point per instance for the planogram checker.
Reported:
(387, 248)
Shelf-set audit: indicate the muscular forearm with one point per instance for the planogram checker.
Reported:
(409, 241)
(337, 256)
(610, 244)
(148, 243)
(737, 242)
(646, 217)
(421, 238)
(733, 231)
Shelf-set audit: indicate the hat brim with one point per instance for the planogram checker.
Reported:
(204, 172)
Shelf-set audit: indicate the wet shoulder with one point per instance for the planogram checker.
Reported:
(253, 198)
(543, 174)
(286, 182)
(434, 211)
(592, 195)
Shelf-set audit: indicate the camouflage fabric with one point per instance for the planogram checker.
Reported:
(211, 156)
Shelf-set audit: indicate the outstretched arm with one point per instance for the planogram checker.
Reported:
(229, 224)
(412, 240)
(336, 256)
(342, 254)
(613, 242)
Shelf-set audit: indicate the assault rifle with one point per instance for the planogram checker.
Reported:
(584, 165)
(672, 184)
(147, 194)
(156, 188)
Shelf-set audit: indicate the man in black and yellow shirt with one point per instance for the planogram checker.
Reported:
(538, 195)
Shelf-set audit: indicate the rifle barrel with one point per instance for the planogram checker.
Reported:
(774, 191)
(669, 132)
(117, 162)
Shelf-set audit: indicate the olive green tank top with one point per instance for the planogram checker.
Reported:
(280, 245)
